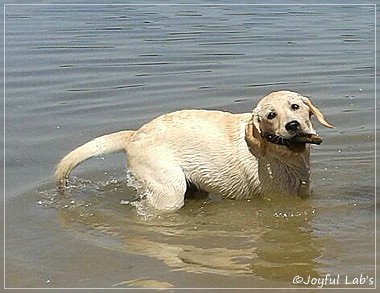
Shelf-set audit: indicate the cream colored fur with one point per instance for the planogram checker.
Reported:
(216, 151)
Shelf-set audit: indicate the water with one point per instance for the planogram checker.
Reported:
(76, 72)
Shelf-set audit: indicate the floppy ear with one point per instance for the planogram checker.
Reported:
(317, 113)
(254, 131)
(256, 120)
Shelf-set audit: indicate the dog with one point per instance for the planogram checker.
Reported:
(263, 153)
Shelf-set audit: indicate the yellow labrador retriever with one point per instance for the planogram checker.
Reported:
(234, 155)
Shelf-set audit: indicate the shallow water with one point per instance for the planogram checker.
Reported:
(76, 72)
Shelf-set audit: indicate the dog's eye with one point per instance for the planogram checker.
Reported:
(295, 107)
(271, 115)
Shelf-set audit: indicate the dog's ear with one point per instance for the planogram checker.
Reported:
(256, 120)
(317, 113)
(254, 139)
(256, 130)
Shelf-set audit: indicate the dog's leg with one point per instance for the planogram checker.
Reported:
(164, 184)
(166, 190)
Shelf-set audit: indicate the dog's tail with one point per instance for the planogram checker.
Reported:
(110, 143)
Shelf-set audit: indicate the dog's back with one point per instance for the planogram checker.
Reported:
(208, 147)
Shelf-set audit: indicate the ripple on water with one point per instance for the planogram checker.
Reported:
(262, 237)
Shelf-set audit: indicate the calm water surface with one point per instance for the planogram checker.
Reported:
(76, 72)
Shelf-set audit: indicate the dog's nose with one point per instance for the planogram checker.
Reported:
(292, 125)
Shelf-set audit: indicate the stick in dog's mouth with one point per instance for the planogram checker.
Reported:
(300, 138)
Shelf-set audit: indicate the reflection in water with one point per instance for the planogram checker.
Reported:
(144, 283)
(268, 238)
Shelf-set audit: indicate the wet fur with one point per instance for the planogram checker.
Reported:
(213, 151)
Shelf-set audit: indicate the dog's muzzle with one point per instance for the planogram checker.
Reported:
(299, 138)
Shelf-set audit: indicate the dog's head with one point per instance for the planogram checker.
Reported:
(284, 118)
